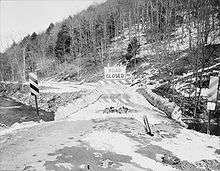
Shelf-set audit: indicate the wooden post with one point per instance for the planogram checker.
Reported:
(216, 102)
(147, 126)
(216, 105)
(208, 126)
(37, 108)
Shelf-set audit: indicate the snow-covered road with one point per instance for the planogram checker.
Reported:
(88, 138)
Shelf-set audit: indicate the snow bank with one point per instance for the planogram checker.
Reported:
(159, 102)
(192, 146)
(18, 126)
(120, 144)
(169, 108)
(62, 87)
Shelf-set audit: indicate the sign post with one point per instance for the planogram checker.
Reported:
(34, 90)
(212, 98)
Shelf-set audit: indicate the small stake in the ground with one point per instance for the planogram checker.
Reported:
(147, 126)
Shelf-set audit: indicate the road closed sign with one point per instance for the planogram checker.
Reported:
(115, 73)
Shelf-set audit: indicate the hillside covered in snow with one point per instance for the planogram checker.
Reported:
(155, 119)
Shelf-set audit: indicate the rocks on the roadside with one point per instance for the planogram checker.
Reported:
(171, 160)
(208, 165)
(3, 125)
(29, 168)
(159, 157)
(123, 110)
(109, 110)
(23, 119)
(107, 164)
(97, 154)
(120, 110)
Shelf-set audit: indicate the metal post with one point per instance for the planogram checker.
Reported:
(37, 108)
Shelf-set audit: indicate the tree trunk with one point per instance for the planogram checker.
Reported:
(102, 55)
(121, 23)
(158, 19)
(12, 72)
(135, 18)
(129, 24)
(151, 17)
(145, 21)
(138, 23)
(24, 66)
(196, 69)
(92, 35)
(1, 73)
(105, 33)
(80, 50)
(201, 76)
(189, 24)
(19, 72)
(182, 32)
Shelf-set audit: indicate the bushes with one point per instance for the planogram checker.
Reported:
(180, 71)
(132, 49)
(12, 88)
(186, 103)
(63, 43)
(67, 71)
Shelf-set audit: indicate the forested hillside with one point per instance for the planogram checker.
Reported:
(154, 116)
(80, 44)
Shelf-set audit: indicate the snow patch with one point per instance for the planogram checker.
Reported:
(120, 144)
(62, 87)
(18, 126)
(65, 165)
(192, 146)
(77, 105)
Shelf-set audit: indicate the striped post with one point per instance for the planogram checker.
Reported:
(34, 89)
(33, 84)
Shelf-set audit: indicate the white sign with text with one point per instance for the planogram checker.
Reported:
(211, 106)
(115, 73)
